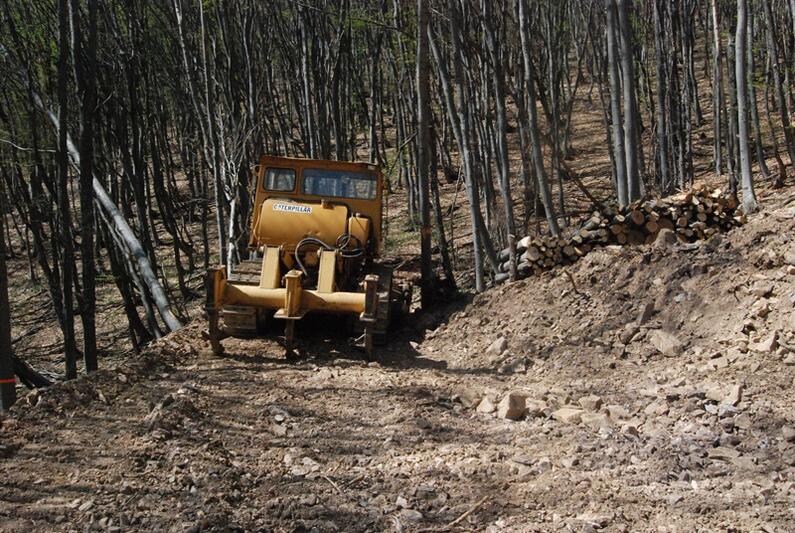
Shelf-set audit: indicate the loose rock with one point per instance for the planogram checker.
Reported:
(511, 407)
(666, 343)
(486, 406)
(646, 313)
(767, 345)
(590, 402)
(568, 415)
(725, 394)
(534, 408)
(497, 347)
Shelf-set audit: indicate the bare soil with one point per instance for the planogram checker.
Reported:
(177, 439)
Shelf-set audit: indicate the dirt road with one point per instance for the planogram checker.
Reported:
(656, 395)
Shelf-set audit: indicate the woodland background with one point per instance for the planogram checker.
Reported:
(128, 130)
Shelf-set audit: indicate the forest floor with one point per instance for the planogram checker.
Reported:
(656, 382)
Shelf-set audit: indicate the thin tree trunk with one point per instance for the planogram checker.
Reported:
(535, 137)
(717, 83)
(631, 139)
(772, 50)
(423, 148)
(85, 67)
(615, 104)
(503, 166)
(749, 197)
(66, 242)
(8, 388)
(663, 156)
(754, 106)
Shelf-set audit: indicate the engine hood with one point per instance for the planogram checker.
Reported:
(284, 222)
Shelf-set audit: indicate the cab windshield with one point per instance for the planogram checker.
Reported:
(340, 183)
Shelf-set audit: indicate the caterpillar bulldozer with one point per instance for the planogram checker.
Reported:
(315, 246)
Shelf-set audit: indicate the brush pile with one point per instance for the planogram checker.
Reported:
(692, 216)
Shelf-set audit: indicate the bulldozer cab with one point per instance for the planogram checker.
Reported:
(324, 200)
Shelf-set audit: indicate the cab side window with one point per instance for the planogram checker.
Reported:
(279, 179)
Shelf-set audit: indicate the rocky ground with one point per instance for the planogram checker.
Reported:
(642, 389)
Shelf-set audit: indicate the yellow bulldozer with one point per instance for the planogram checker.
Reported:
(315, 245)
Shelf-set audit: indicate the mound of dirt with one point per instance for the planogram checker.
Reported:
(644, 388)
(652, 377)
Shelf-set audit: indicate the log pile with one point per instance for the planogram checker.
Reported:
(695, 215)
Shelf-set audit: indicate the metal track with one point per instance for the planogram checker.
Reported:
(247, 272)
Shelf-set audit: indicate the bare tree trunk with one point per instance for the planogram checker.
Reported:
(663, 156)
(754, 107)
(85, 68)
(131, 242)
(535, 137)
(615, 104)
(444, 249)
(309, 116)
(8, 387)
(423, 148)
(749, 197)
(503, 165)
(212, 129)
(733, 160)
(631, 138)
(717, 83)
(772, 50)
(66, 242)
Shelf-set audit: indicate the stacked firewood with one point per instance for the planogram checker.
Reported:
(695, 215)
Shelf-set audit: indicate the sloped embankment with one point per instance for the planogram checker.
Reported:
(660, 375)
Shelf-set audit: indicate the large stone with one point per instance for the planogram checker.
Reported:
(656, 408)
(497, 347)
(762, 288)
(486, 406)
(590, 402)
(723, 453)
(726, 394)
(626, 335)
(469, 398)
(511, 407)
(666, 343)
(523, 459)
(514, 365)
(733, 395)
(544, 464)
(598, 520)
(743, 421)
(766, 345)
(761, 308)
(568, 415)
